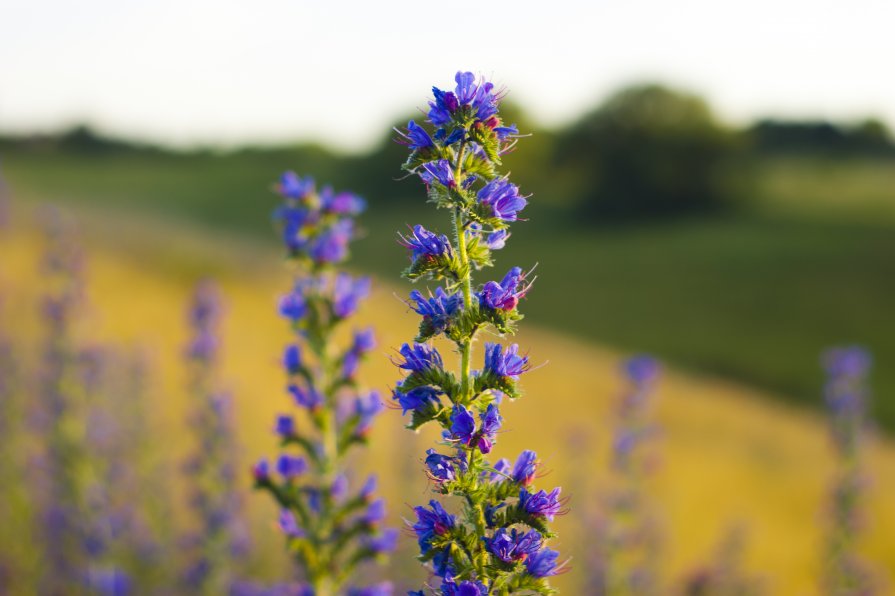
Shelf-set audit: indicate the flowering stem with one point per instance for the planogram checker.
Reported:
(466, 281)
(497, 545)
(329, 528)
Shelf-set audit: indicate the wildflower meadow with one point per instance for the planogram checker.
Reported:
(190, 411)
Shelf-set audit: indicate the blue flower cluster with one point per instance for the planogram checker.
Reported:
(846, 397)
(497, 543)
(220, 541)
(327, 527)
(624, 546)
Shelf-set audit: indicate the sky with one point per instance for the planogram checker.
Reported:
(186, 72)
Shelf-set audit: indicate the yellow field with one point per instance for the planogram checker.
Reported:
(729, 454)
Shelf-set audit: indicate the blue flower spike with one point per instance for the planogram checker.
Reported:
(496, 543)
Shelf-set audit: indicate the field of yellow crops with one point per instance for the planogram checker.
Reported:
(728, 455)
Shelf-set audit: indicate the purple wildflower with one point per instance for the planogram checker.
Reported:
(431, 523)
(308, 398)
(505, 132)
(292, 220)
(416, 137)
(505, 363)
(293, 187)
(420, 358)
(541, 503)
(437, 310)
(500, 470)
(542, 563)
(439, 171)
(293, 306)
(463, 427)
(424, 244)
(441, 110)
(525, 468)
(291, 467)
(642, 369)
(342, 203)
(385, 542)
(465, 588)
(441, 467)
(369, 487)
(289, 525)
(366, 408)
(503, 198)
(348, 292)
(338, 490)
(512, 546)
(497, 240)
(292, 359)
(261, 470)
(380, 589)
(416, 398)
(364, 341)
(375, 512)
(285, 426)
(506, 294)
(331, 246)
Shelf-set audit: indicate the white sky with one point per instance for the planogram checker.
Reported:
(200, 71)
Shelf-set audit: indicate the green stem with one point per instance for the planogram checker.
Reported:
(466, 280)
(322, 572)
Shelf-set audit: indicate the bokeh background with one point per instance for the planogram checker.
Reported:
(713, 185)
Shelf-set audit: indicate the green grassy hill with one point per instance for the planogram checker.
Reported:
(729, 454)
(752, 296)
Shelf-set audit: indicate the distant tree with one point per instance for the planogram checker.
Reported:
(820, 137)
(647, 151)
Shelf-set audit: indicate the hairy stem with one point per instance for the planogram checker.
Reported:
(459, 222)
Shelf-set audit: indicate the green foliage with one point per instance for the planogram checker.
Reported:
(647, 151)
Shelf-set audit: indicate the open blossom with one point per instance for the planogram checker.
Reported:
(289, 525)
(341, 203)
(348, 292)
(512, 545)
(285, 426)
(424, 244)
(478, 96)
(420, 358)
(294, 187)
(541, 503)
(464, 588)
(293, 305)
(506, 363)
(437, 309)
(290, 467)
(441, 467)
(430, 523)
(366, 408)
(503, 198)
(542, 563)
(331, 245)
(525, 468)
(307, 397)
(416, 137)
(416, 398)
(506, 294)
(463, 427)
(439, 171)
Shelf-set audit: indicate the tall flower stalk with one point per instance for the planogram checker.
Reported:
(495, 543)
(330, 527)
(846, 395)
(625, 551)
(58, 414)
(220, 539)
